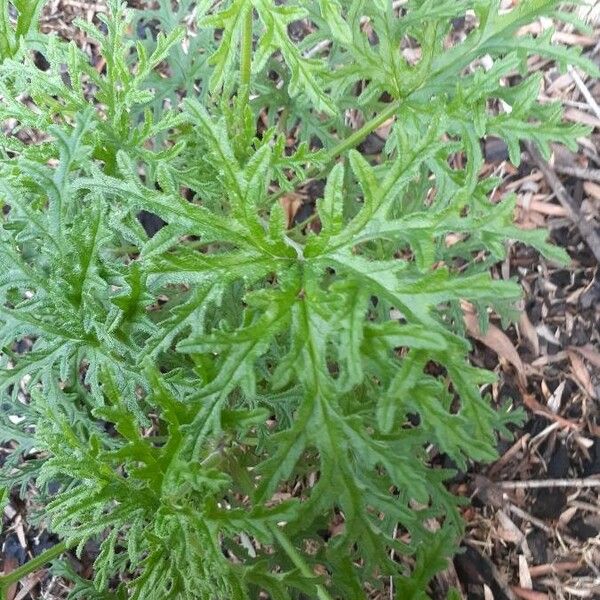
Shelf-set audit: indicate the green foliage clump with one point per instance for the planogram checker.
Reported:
(209, 399)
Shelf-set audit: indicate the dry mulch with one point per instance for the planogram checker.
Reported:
(533, 524)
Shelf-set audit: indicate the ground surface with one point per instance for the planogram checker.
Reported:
(521, 541)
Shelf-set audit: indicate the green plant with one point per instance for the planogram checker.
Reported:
(25, 27)
(208, 401)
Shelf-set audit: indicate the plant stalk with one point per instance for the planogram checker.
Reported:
(6, 49)
(360, 134)
(297, 559)
(350, 142)
(33, 565)
(246, 58)
(29, 11)
(510, 22)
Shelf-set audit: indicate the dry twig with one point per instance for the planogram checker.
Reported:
(579, 172)
(529, 594)
(587, 229)
(553, 568)
(589, 482)
(584, 91)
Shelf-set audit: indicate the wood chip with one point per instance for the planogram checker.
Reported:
(586, 228)
(488, 492)
(544, 208)
(495, 339)
(8, 566)
(559, 567)
(592, 189)
(589, 353)
(578, 116)
(29, 584)
(524, 576)
(487, 593)
(290, 203)
(20, 531)
(518, 447)
(573, 39)
(529, 594)
(507, 530)
(554, 401)
(529, 333)
(565, 517)
(540, 409)
(581, 374)
(579, 172)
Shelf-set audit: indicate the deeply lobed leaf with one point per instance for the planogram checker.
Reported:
(233, 403)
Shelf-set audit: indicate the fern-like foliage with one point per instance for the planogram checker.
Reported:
(213, 397)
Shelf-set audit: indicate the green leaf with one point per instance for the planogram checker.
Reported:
(304, 72)
(331, 11)
(231, 21)
(205, 388)
(409, 375)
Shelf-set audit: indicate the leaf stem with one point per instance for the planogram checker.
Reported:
(350, 142)
(246, 58)
(297, 559)
(33, 565)
(510, 21)
(360, 134)
(26, 14)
